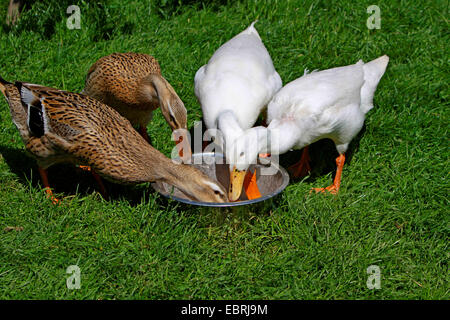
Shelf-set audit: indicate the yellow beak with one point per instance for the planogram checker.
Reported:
(236, 183)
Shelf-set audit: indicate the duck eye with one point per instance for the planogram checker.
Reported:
(216, 192)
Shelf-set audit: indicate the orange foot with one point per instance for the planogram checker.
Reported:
(334, 188)
(50, 196)
(301, 168)
(331, 189)
(47, 189)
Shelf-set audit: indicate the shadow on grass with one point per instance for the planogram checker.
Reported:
(67, 179)
(323, 155)
(219, 216)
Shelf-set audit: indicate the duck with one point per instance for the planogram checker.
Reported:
(329, 104)
(234, 87)
(58, 126)
(133, 85)
(14, 9)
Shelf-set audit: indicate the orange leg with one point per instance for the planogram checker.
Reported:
(100, 184)
(47, 188)
(301, 168)
(98, 179)
(143, 131)
(334, 188)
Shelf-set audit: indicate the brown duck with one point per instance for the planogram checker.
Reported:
(59, 126)
(132, 84)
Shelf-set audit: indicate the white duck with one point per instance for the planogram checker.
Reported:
(326, 104)
(235, 86)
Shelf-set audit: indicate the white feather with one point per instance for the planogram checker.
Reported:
(325, 104)
(321, 104)
(27, 96)
(213, 186)
(236, 84)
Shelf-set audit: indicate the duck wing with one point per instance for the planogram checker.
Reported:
(315, 92)
(89, 132)
(239, 77)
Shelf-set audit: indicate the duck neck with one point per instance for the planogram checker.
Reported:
(167, 171)
(262, 141)
(283, 136)
(154, 89)
(229, 126)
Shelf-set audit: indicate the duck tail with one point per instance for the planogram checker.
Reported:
(19, 115)
(251, 29)
(373, 71)
(3, 84)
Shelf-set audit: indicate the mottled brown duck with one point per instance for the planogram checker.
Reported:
(132, 84)
(59, 126)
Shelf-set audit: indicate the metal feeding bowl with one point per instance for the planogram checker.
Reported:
(215, 167)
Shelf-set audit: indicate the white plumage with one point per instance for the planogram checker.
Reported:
(325, 104)
(322, 104)
(236, 84)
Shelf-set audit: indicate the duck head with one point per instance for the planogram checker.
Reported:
(172, 109)
(241, 154)
(198, 186)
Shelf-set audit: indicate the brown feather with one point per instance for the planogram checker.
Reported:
(121, 80)
(82, 130)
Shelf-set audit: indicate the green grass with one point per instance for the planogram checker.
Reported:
(392, 210)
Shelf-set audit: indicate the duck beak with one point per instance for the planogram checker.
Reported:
(236, 183)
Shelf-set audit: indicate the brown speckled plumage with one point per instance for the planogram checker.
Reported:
(132, 84)
(76, 128)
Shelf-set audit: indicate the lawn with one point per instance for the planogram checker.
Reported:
(392, 209)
